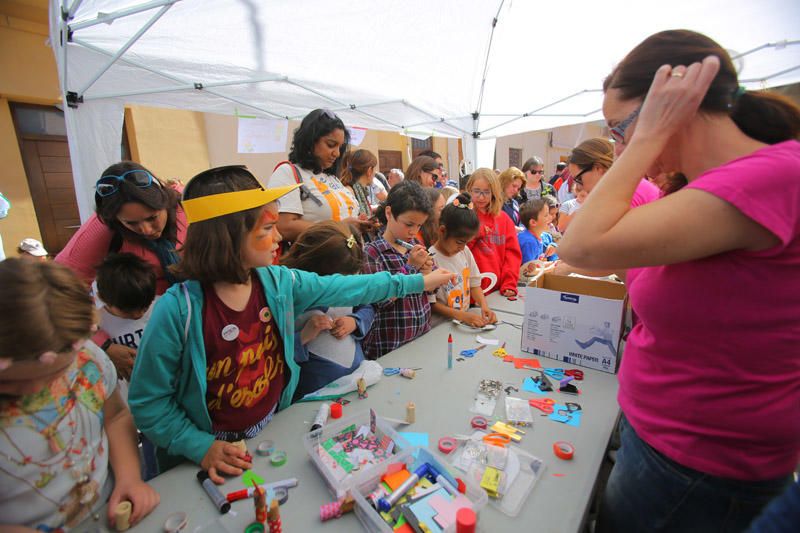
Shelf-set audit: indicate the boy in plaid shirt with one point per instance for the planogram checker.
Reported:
(399, 320)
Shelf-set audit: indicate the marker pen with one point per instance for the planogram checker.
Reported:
(222, 504)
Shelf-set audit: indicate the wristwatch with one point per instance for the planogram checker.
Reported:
(106, 345)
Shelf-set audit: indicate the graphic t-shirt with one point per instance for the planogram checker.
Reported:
(245, 369)
(54, 451)
(327, 198)
(124, 331)
(456, 294)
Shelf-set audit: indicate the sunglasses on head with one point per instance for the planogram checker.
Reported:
(536, 171)
(109, 184)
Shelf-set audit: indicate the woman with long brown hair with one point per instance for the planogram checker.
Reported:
(712, 277)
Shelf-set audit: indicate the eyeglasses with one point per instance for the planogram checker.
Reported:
(618, 131)
(578, 179)
(476, 192)
(108, 185)
(536, 171)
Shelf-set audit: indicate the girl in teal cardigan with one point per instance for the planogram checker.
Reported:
(217, 358)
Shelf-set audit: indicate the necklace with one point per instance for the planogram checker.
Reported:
(79, 461)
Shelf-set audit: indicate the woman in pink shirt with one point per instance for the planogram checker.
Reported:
(136, 213)
(710, 379)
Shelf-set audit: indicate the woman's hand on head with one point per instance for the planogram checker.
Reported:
(674, 97)
(224, 458)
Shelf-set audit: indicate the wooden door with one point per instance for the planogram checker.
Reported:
(49, 171)
(389, 159)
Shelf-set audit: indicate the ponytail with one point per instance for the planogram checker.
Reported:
(459, 219)
(767, 117)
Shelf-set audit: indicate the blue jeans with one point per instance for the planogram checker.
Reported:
(649, 492)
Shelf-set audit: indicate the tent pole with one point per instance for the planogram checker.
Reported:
(529, 113)
(186, 86)
(125, 48)
(176, 79)
(73, 9)
(108, 18)
(775, 75)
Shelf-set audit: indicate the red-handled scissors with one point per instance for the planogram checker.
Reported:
(575, 373)
(545, 405)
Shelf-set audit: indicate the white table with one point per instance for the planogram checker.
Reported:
(498, 302)
(443, 398)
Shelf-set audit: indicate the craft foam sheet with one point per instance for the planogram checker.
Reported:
(416, 439)
(571, 420)
(528, 385)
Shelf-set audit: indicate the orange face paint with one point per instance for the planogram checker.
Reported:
(258, 240)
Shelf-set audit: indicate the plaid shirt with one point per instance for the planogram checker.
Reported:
(399, 320)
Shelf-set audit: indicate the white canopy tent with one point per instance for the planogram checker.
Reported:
(475, 69)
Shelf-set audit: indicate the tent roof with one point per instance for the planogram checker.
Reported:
(404, 64)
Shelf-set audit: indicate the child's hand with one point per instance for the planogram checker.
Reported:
(472, 319)
(223, 457)
(418, 256)
(550, 251)
(343, 326)
(427, 268)
(122, 356)
(488, 315)
(142, 496)
(509, 292)
(437, 278)
(314, 326)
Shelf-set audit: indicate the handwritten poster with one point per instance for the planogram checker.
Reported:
(262, 136)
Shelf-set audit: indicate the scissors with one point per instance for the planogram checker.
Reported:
(545, 405)
(471, 352)
(560, 373)
(497, 439)
(394, 371)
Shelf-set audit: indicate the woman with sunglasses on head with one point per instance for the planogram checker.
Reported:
(710, 378)
(135, 213)
(315, 161)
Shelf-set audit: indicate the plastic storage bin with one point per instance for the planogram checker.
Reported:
(369, 480)
(339, 483)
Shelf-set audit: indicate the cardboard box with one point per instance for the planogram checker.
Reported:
(574, 320)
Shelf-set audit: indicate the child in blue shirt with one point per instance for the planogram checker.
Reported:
(535, 242)
(327, 342)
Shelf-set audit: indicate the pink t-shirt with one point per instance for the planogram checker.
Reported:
(645, 193)
(711, 372)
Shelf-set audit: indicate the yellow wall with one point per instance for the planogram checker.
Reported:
(169, 142)
(28, 75)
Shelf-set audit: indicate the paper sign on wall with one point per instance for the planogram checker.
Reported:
(262, 136)
(357, 135)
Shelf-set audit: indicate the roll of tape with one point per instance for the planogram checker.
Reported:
(447, 444)
(176, 522)
(265, 448)
(563, 450)
(278, 458)
(281, 494)
(255, 527)
(479, 422)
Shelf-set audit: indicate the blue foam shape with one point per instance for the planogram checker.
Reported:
(574, 421)
(528, 385)
(415, 439)
(425, 513)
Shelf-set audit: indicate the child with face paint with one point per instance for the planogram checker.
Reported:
(217, 359)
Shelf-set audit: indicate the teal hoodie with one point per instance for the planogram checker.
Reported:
(167, 393)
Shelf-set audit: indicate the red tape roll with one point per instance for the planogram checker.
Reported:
(563, 450)
(447, 444)
(479, 422)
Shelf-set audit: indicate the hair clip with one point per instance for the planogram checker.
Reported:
(351, 241)
(461, 205)
(48, 358)
(5, 362)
